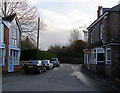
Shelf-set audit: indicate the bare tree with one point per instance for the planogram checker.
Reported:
(74, 36)
(26, 15)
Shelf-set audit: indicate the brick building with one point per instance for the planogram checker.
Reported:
(103, 51)
(10, 39)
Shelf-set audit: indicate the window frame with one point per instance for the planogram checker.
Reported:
(3, 57)
(101, 31)
(91, 37)
(108, 61)
(2, 33)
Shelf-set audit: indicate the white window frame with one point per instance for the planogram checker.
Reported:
(93, 60)
(91, 37)
(96, 53)
(106, 56)
(3, 57)
(16, 60)
(100, 52)
(1, 33)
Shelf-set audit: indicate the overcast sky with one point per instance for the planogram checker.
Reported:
(61, 16)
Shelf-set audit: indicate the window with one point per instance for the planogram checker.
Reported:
(1, 33)
(91, 37)
(100, 57)
(93, 56)
(108, 56)
(1, 56)
(15, 57)
(14, 36)
(101, 31)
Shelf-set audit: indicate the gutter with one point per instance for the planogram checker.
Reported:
(95, 22)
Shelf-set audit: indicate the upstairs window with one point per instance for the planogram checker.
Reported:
(101, 31)
(91, 37)
(14, 36)
(1, 33)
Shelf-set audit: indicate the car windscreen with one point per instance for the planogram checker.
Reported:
(53, 60)
(33, 62)
(44, 61)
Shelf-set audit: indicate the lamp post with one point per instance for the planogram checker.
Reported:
(85, 31)
(85, 35)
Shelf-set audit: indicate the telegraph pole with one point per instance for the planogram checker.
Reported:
(38, 33)
(38, 36)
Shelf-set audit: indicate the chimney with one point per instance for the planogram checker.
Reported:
(98, 12)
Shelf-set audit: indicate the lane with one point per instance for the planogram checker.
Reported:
(63, 78)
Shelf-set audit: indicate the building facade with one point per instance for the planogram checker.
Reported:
(103, 51)
(10, 32)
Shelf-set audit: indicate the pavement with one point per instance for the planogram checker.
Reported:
(111, 83)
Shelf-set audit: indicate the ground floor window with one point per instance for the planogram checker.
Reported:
(15, 55)
(97, 55)
(108, 56)
(85, 58)
(1, 56)
(100, 57)
(93, 57)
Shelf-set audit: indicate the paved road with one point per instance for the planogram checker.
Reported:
(67, 77)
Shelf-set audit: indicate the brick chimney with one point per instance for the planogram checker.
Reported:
(98, 12)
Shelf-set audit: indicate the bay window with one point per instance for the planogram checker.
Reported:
(1, 33)
(1, 56)
(108, 56)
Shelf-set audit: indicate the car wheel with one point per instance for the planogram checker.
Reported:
(26, 72)
(40, 71)
(45, 69)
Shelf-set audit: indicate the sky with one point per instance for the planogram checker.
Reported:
(62, 16)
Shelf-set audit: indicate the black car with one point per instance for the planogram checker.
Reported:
(34, 66)
(55, 62)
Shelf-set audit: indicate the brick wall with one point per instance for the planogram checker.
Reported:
(5, 68)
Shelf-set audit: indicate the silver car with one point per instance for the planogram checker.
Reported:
(55, 62)
(47, 64)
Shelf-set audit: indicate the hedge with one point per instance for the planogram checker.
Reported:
(33, 54)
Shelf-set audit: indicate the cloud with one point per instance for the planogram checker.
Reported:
(59, 25)
(60, 0)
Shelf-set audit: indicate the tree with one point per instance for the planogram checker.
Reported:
(25, 14)
(74, 35)
(27, 44)
(76, 48)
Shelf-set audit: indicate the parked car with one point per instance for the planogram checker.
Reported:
(47, 64)
(34, 66)
(55, 62)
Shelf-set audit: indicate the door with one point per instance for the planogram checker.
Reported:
(11, 67)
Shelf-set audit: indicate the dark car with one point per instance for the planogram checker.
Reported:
(34, 66)
(55, 62)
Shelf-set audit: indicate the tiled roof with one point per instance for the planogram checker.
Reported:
(114, 9)
(9, 18)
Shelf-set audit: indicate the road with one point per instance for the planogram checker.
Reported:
(67, 77)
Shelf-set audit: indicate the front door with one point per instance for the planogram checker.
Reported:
(11, 67)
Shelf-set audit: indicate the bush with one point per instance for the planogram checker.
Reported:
(33, 54)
